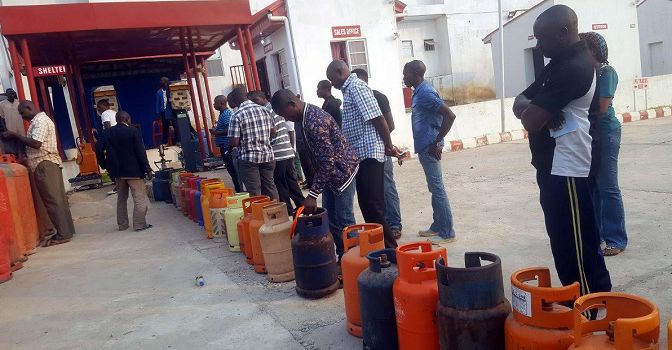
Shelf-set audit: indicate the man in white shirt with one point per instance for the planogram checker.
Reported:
(107, 115)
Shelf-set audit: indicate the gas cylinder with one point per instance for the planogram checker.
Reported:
(21, 201)
(472, 308)
(669, 335)
(181, 190)
(376, 303)
(7, 233)
(198, 200)
(314, 256)
(358, 242)
(232, 216)
(244, 226)
(415, 296)
(216, 208)
(174, 183)
(161, 186)
(194, 185)
(255, 224)
(276, 245)
(631, 323)
(205, 204)
(14, 232)
(188, 193)
(538, 320)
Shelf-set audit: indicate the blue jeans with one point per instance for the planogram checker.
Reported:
(607, 199)
(392, 211)
(443, 217)
(340, 213)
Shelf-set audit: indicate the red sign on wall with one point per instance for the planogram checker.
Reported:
(49, 71)
(600, 26)
(268, 47)
(346, 32)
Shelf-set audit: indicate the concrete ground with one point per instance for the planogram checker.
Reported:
(128, 290)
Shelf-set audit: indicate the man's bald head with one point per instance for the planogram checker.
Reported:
(27, 110)
(338, 72)
(220, 103)
(414, 73)
(556, 29)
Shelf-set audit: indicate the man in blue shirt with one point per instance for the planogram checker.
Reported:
(432, 119)
(164, 110)
(221, 132)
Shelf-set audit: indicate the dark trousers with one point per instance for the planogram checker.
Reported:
(371, 196)
(227, 157)
(166, 129)
(287, 184)
(49, 183)
(575, 241)
(258, 178)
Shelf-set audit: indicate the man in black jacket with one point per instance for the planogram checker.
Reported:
(331, 104)
(126, 160)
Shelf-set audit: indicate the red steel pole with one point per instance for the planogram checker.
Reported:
(16, 69)
(253, 60)
(246, 64)
(73, 99)
(194, 105)
(82, 99)
(207, 92)
(29, 70)
(199, 89)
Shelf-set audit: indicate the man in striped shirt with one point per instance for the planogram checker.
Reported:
(284, 175)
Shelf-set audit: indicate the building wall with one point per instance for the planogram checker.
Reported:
(438, 62)
(623, 51)
(654, 29)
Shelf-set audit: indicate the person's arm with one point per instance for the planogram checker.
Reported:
(292, 137)
(520, 104)
(368, 108)
(448, 118)
(319, 135)
(384, 105)
(234, 131)
(605, 102)
(389, 120)
(608, 83)
(27, 141)
(381, 127)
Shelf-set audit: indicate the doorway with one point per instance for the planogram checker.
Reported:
(263, 76)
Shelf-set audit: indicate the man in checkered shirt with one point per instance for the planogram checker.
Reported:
(251, 129)
(367, 132)
(45, 162)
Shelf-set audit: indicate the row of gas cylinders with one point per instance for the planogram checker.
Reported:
(410, 298)
(18, 221)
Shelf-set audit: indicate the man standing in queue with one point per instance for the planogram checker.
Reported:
(164, 109)
(554, 110)
(221, 132)
(367, 132)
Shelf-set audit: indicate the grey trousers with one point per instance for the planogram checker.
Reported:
(49, 183)
(258, 178)
(137, 187)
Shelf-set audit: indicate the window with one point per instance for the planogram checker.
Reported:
(407, 48)
(283, 70)
(430, 45)
(214, 67)
(357, 55)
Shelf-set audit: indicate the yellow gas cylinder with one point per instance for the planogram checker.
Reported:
(232, 216)
(630, 323)
(205, 204)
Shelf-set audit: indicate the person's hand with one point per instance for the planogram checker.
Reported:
(9, 135)
(391, 151)
(309, 205)
(435, 151)
(557, 123)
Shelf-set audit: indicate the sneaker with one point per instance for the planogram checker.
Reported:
(438, 240)
(428, 233)
(611, 251)
(111, 192)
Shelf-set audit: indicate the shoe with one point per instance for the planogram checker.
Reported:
(124, 228)
(428, 233)
(612, 251)
(54, 242)
(396, 233)
(111, 192)
(438, 240)
(147, 226)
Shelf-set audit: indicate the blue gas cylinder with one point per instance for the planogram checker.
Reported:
(161, 186)
(314, 256)
(376, 303)
(198, 209)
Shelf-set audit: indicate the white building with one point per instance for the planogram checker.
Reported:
(616, 20)
(655, 36)
(446, 35)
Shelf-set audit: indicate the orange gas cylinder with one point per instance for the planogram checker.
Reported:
(181, 188)
(205, 204)
(244, 226)
(255, 224)
(669, 335)
(25, 219)
(218, 196)
(538, 321)
(7, 232)
(86, 158)
(416, 293)
(631, 323)
(358, 241)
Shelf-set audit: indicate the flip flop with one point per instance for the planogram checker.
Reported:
(147, 226)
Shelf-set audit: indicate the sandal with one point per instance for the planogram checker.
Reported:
(611, 251)
(147, 226)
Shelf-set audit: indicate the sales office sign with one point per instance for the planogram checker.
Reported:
(346, 32)
(46, 71)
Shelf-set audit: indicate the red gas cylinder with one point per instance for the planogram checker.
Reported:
(255, 224)
(244, 226)
(7, 233)
(631, 323)
(416, 293)
(538, 321)
(24, 207)
(191, 196)
(358, 241)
